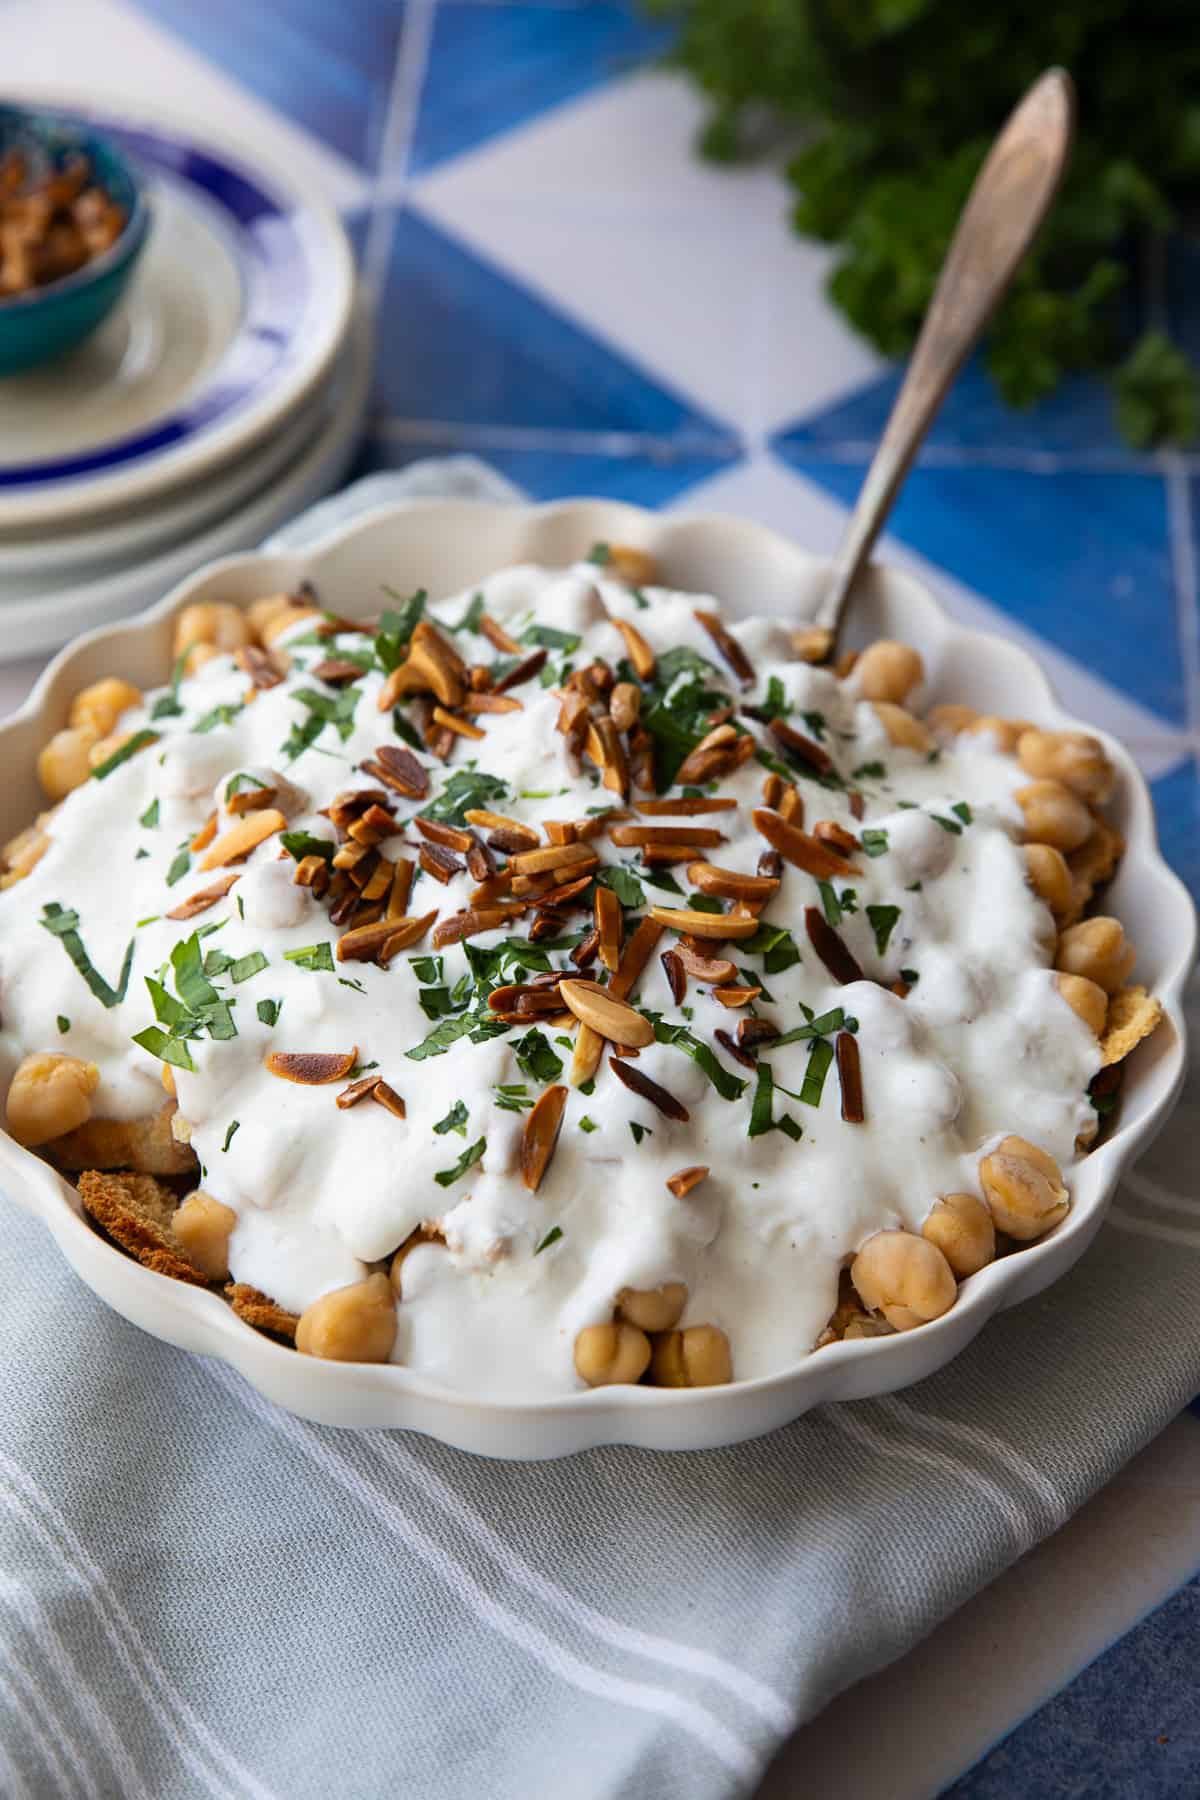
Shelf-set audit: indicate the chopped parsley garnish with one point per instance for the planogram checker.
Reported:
(404, 728)
(229, 1135)
(63, 1023)
(883, 919)
(243, 967)
(536, 1057)
(589, 1125)
(834, 1020)
(445, 1033)
(318, 957)
(323, 709)
(395, 629)
(63, 925)
(195, 1008)
(470, 619)
(513, 1096)
(762, 1117)
(707, 903)
(963, 811)
(624, 884)
(640, 1131)
(149, 818)
(132, 745)
(224, 714)
(180, 863)
(346, 981)
(167, 705)
(588, 1087)
(550, 638)
(237, 783)
(776, 704)
(869, 771)
(269, 1010)
(947, 824)
(465, 790)
(836, 906)
(599, 554)
(660, 878)
(911, 976)
(455, 1120)
(302, 843)
(426, 968)
(551, 1237)
(816, 722)
(874, 841)
(819, 1059)
(470, 1156)
(776, 945)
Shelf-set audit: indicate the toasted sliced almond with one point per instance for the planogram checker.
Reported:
(451, 836)
(640, 654)
(311, 1068)
(350, 855)
(204, 898)
(710, 969)
(688, 805)
(402, 882)
(666, 856)
(704, 925)
(829, 947)
(684, 1180)
(609, 925)
(443, 865)
(849, 1067)
(540, 1135)
(447, 669)
(728, 645)
(248, 800)
(701, 837)
(640, 1084)
(676, 975)
(589, 1048)
(492, 703)
(206, 834)
(733, 997)
(636, 568)
(358, 1090)
(624, 705)
(805, 748)
(365, 942)
(484, 820)
(729, 884)
(470, 923)
(739, 1053)
(615, 1020)
(772, 790)
(496, 635)
(266, 668)
(337, 671)
(559, 831)
(243, 837)
(791, 807)
(608, 753)
(524, 671)
(381, 880)
(550, 856)
(405, 932)
(836, 836)
(312, 872)
(637, 953)
(460, 727)
(396, 765)
(796, 847)
(385, 1095)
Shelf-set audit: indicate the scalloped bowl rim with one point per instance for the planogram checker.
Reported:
(367, 1396)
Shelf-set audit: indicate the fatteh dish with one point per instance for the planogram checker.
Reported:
(557, 985)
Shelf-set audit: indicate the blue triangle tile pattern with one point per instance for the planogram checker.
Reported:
(1177, 810)
(1079, 556)
(328, 67)
(1127, 1728)
(494, 67)
(463, 343)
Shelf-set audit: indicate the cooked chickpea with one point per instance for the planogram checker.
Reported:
(1085, 998)
(350, 1324)
(697, 1357)
(1049, 877)
(263, 612)
(1075, 758)
(607, 1354)
(887, 670)
(961, 1227)
(812, 643)
(283, 621)
(904, 1277)
(203, 1226)
(1007, 732)
(1023, 1188)
(63, 764)
(101, 704)
(902, 728)
(23, 853)
(211, 625)
(1098, 949)
(951, 717)
(50, 1094)
(637, 568)
(653, 1309)
(1054, 815)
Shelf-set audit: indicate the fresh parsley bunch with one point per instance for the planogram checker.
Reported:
(894, 104)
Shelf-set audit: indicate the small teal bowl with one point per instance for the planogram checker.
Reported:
(50, 320)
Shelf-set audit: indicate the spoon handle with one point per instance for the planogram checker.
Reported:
(1011, 196)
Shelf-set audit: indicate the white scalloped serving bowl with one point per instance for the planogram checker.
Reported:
(445, 546)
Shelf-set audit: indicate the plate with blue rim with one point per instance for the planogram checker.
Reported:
(232, 321)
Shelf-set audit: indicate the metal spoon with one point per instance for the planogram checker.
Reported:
(1011, 196)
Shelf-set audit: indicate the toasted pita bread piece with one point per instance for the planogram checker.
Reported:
(146, 1146)
(136, 1212)
(257, 1309)
(1132, 1015)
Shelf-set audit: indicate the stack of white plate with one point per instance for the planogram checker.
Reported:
(225, 393)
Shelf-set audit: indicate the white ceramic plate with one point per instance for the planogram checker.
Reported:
(33, 623)
(446, 547)
(236, 312)
(41, 561)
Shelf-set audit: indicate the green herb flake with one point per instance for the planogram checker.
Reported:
(910, 976)
(465, 790)
(874, 841)
(471, 618)
(946, 824)
(63, 1023)
(243, 967)
(819, 1059)
(470, 1156)
(268, 1011)
(883, 919)
(234, 1128)
(624, 884)
(599, 555)
(149, 819)
(318, 957)
(220, 715)
(63, 924)
(588, 1125)
(129, 748)
(730, 1087)
(963, 811)
(640, 1131)
(180, 864)
(455, 1120)
(300, 844)
(538, 1060)
(551, 1237)
(869, 771)
(396, 628)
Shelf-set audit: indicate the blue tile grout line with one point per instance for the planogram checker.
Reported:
(409, 71)
(656, 446)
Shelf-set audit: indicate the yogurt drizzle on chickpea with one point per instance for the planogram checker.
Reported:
(942, 853)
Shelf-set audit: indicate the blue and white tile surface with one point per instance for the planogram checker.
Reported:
(564, 290)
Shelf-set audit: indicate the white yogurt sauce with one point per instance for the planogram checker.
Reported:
(982, 1045)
